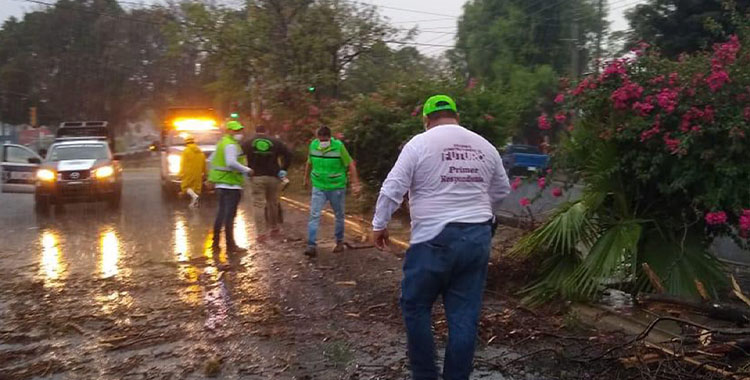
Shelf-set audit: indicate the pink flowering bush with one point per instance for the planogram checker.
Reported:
(662, 148)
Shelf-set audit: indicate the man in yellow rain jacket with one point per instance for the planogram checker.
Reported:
(192, 170)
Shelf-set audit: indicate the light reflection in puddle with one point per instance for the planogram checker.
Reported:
(181, 240)
(110, 250)
(240, 229)
(51, 265)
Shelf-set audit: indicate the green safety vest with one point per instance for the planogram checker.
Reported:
(219, 172)
(328, 171)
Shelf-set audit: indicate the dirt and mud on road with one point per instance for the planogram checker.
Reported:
(135, 294)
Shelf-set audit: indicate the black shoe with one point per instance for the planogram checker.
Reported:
(311, 252)
(235, 249)
(340, 247)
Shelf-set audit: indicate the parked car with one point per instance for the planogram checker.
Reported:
(521, 159)
(18, 165)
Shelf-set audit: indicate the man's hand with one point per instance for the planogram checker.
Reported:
(356, 189)
(380, 238)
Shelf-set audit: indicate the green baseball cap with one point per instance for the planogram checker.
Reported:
(438, 103)
(234, 125)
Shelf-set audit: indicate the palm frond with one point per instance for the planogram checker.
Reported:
(560, 235)
(680, 262)
(608, 255)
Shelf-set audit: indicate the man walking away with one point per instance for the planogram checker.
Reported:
(455, 179)
(192, 170)
(270, 159)
(228, 170)
(326, 166)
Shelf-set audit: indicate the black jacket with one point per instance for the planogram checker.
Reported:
(266, 155)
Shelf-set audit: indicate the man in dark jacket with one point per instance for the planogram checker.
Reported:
(270, 159)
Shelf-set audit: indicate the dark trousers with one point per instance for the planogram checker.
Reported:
(229, 199)
(452, 265)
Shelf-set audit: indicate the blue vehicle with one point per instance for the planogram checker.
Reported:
(522, 159)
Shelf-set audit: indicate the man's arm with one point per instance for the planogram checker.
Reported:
(499, 186)
(393, 190)
(230, 156)
(284, 154)
(308, 169)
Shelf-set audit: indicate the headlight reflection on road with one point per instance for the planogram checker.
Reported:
(51, 265)
(181, 240)
(110, 248)
(240, 229)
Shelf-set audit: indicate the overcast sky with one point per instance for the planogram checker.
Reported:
(436, 19)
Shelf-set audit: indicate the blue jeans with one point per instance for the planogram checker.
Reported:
(317, 202)
(229, 199)
(454, 265)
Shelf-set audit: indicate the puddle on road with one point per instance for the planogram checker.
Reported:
(52, 266)
(109, 245)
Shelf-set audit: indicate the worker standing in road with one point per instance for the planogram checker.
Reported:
(228, 171)
(327, 164)
(270, 159)
(192, 170)
(455, 179)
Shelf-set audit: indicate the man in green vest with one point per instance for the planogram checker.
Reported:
(327, 165)
(228, 171)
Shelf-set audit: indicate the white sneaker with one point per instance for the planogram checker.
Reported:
(194, 203)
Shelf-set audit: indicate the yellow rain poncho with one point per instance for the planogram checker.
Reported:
(192, 168)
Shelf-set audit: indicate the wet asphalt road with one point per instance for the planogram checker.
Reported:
(90, 239)
(90, 292)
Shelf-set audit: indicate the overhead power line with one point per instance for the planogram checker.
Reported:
(422, 12)
(415, 43)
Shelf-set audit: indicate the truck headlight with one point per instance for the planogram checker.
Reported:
(104, 172)
(45, 175)
(173, 164)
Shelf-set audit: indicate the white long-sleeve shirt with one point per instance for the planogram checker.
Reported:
(231, 153)
(451, 174)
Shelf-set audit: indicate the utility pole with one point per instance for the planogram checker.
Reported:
(599, 34)
(574, 58)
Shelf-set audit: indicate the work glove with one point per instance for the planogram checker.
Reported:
(282, 174)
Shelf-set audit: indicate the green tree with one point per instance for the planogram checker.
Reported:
(683, 26)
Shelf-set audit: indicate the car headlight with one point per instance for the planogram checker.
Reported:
(45, 175)
(104, 172)
(173, 164)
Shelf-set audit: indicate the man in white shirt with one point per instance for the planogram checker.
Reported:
(455, 179)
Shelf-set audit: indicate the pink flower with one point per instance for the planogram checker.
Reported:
(541, 182)
(557, 192)
(673, 79)
(559, 98)
(716, 218)
(667, 99)
(582, 86)
(643, 108)
(614, 68)
(656, 80)
(746, 113)
(717, 79)
(654, 130)
(628, 91)
(560, 117)
(640, 49)
(543, 123)
(525, 202)
(726, 53)
(708, 114)
(489, 117)
(673, 145)
(516, 183)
